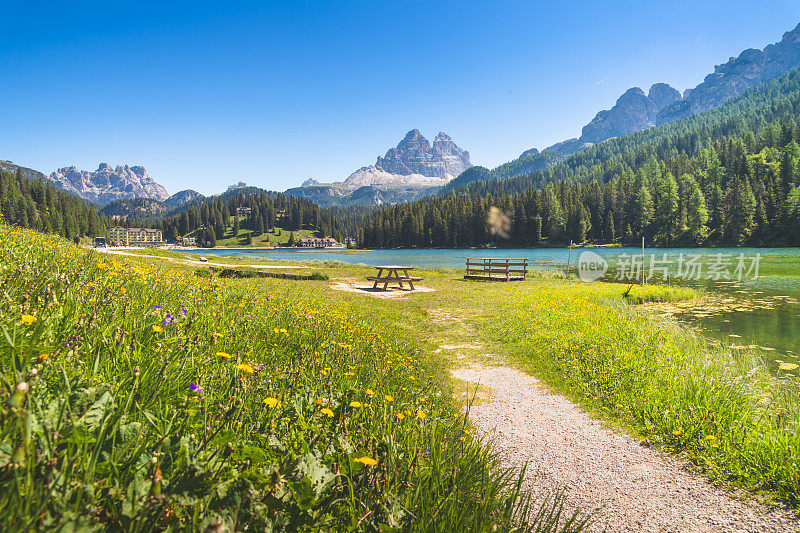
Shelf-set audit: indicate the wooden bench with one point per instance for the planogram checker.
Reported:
(496, 269)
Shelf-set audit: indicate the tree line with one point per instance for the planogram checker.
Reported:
(31, 203)
(741, 190)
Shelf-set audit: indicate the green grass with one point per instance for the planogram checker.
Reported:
(137, 397)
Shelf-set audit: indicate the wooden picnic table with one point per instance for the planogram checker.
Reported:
(393, 276)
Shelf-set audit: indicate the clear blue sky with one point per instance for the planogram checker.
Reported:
(206, 94)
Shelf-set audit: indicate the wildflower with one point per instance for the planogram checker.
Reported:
(22, 387)
(193, 387)
(136, 371)
(169, 319)
(327, 412)
(420, 414)
(157, 307)
(318, 401)
(618, 406)
(389, 398)
(676, 432)
(28, 319)
(400, 416)
(217, 334)
(244, 367)
(366, 461)
(224, 355)
(711, 437)
(272, 402)
(355, 404)
(101, 266)
(370, 392)
(157, 329)
(43, 356)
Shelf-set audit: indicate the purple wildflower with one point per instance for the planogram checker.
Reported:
(157, 307)
(183, 312)
(195, 388)
(169, 319)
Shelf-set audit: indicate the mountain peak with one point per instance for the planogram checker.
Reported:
(108, 184)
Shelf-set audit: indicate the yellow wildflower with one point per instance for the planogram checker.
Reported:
(28, 319)
(420, 414)
(272, 402)
(400, 416)
(366, 461)
(711, 437)
(224, 355)
(157, 329)
(318, 401)
(327, 412)
(676, 432)
(389, 398)
(370, 392)
(355, 404)
(244, 367)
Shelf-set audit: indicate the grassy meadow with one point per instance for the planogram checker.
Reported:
(138, 395)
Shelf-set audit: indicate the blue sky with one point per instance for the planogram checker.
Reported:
(207, 94)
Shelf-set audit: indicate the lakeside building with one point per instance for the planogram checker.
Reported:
(186, 241)
(312, 242)
(119, 236)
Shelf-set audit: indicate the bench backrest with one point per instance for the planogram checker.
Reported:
(496, 265)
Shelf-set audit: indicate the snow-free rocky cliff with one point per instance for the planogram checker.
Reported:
(107, 184)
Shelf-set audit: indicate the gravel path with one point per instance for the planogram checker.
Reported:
(627, 486)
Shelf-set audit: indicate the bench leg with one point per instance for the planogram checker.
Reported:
(375, 285)
(412, 285)
(385, 286)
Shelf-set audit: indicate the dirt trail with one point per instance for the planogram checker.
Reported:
(195, 263)
(627, 486)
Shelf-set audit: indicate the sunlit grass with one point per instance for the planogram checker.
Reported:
(139, 397)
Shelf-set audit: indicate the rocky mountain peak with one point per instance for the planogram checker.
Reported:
(108, 184)
(663, 95)
(415, 155)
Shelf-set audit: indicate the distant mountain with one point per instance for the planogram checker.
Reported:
(183, 197)
(27, 173)
(108, 184)
(415, 167)
(240, 185)
(635, 110)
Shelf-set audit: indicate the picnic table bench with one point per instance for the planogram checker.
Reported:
(496, 269)
(393, 276)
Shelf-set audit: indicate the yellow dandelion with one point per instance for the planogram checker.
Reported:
(224, 355)
(370, 392)
(400, 416)
(389, 398)
(43, 356)
(28, 319)
(327, 412)
(157, 329)
(420, 414)
(272, 402)
(318, 402)
(355, 404)
(366, 461)
(676, 432)
(244, 367)
(711, 437)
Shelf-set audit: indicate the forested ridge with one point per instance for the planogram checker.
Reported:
(31, 203)
(726, 176)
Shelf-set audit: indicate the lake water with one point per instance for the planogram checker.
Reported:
(751, 314)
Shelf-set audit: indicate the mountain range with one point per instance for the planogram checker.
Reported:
(662, 104)
(414, 168)
(417, 167)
